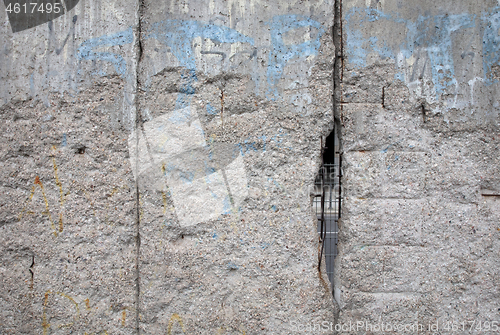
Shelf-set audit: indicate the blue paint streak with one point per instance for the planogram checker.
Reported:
(491, 44)
(232, 266)
(211, 110)
(209, 169)
(186, 177)
(86, 49)
(179, 35)
(436, 34)
(432, 33)
(245, 145)
(64, 141)
(180, 116)
(227, 205)
(282, 53)
(399, 76)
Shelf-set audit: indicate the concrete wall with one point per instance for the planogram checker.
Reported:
(419, 110)
(157, 160)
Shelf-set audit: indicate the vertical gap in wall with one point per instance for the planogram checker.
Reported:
(338, 75)
(326, 202)
(138, 126)
(328, 193)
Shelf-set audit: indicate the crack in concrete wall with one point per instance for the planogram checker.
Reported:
(177, 144)
(138, 128)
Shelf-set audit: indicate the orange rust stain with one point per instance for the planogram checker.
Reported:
(124, 316)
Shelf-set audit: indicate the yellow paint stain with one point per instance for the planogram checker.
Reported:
(61, 192)
(124, 317)
(30, 198)
(57, 178)
(164, 196)
(45, 324)
(175, 318)
(113, 191)
(87, 304)
(76, 307)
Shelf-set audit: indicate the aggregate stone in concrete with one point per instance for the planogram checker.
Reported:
(158, 162)
(68, 217)
(418, 236)
(234, 100)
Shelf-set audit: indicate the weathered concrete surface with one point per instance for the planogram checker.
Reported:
(228, 240)
(68, 195)
(419, 237)
(156, 167)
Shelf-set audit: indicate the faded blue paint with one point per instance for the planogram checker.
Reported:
(178, 35)
(399, 76)
(186, 176)
(264, 245)
(64, 141)
(86, 49)
(263, 138)
(211, 110)
(208, 168)
(436, 34)
(491, 44)
(358, 47)
(180, 116)
(232, 266)
(431, 33)
(282, 53)
(247, 145)
(167, 171)
(226, 205)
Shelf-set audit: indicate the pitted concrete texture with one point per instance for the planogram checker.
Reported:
(248, 89)
(157, 161)
(419, 114)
